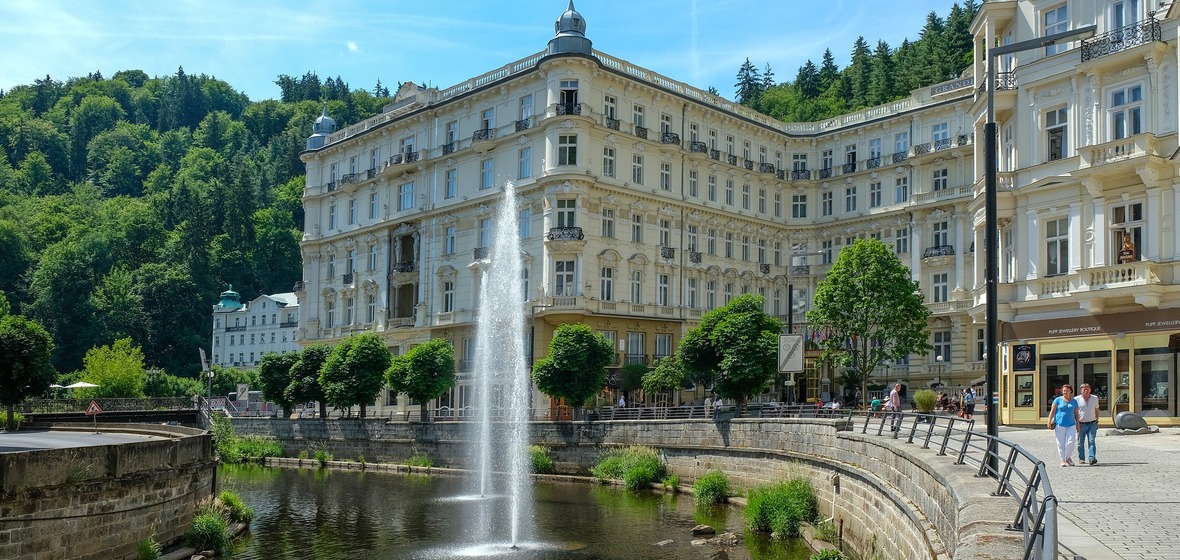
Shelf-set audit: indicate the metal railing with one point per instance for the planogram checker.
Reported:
(45, 406)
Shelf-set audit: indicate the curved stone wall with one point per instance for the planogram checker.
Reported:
(98, 502)
(892, 500)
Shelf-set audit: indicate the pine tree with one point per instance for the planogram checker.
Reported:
(859, 72)
(807, 81)
(881, 69)
(828, 72)
(749, 84)
(767, 78)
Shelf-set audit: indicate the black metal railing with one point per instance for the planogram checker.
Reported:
(899, 157)
(448, 148)
(781, 174)
(920, 149)
(668, 252)
(873, 162)
(524, 124)
(483, 134)
(612, 124)
(411, 157)
(238, 328)
(764, 268)
(405, 266)
(330, 186)
(825, 173)
(732, 159)
(350, 178)
(942, 144)
(848, 168)
(766, 168)
(669, 138)
(963, 139)
(1005, 81)
(370, 173)
(395, 159)
(637, 359)
(288, 324)
(298, 286)
(801, 270)
(715, 154)
(569, 108)
(480, 253)
(939, 251)
(748, 164)
(347, 278)
(1123, 38)
(800, 174)
(694, 257)
(641, 132)
(698, 147)
(565, 234)
(49, 406)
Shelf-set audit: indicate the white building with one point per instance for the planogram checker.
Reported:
(645, 202)
(242, 333)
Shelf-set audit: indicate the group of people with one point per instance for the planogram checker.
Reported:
(1074, 421)
(962, 404)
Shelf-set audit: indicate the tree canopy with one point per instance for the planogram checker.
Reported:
(575, 368)
(355, 371)
(25, 369)
(274, 373)
(425, 372)
(736, 346)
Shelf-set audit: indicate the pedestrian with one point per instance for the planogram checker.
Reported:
(969, 403)
(895, 406)
(1088, 422)
(708, 406)
(622, 401)
(1063, 420)
(717, 404)
(876, 406)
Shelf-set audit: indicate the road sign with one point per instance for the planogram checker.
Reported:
(93, 408)
(790, 353)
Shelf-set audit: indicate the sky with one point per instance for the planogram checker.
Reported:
(249, 43)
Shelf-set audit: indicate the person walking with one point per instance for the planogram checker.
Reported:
(969, 403)
(1088, 422)
(1063, 420)
(895, 407)
(622, 401)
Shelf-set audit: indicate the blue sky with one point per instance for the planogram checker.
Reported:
(248, 43)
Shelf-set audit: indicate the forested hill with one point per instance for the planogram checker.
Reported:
(128, 203)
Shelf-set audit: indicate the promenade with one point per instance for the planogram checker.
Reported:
(1125, 507)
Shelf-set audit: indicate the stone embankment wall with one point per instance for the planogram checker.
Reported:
(98, 502)
(891, 499)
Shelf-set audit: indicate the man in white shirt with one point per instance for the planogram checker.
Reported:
(895, 407)
(1087, 424)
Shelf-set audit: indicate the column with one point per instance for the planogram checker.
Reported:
(915, 251)
(1100, 232)
(1152, 226)
(1075, 232)
(960, 249)
(1175, 227)
(1032, 256)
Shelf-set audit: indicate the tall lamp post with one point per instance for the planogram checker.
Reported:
(991, 266)
(939, 359)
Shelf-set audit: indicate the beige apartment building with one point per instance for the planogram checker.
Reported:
(646, 202)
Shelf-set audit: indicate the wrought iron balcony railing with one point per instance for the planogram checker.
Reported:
(731, 158)
(899, 157)
(781, 174)
(920, 149)
(448, 148)
(800, 174)
(405, 266)
(939, 251)
(330, 186)
(347, 278)
(764, 268)
(569, 108)
(612, 124)
(873, 162)
(698, 147)
(565, 234)
(1138, 33)
(748, 164)
(480, 253)
(668, 252)
(1005, 81)
(963, 139)
(669, 138)
(370, 173)
(825, 173)
(524, 124)
(942, 144)
(715, 154)
(483, 134)
(848, 168)
(641, 132)
(350, 178)
(766, 168)
(238, 328)
(801, 270)
(694, 257)
(288, 324)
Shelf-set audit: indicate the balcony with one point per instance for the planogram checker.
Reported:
(797, 174)
(565, 234)
(873, 162)
(764, 268)
(781, 174)
(569, 108)
(524, 124)
(748, 165)
(964, 139)
(399, 163)
(698, 147)
(939, 251)
(330, 186)
(848, 168)
(899, 157)
(288, 324)
(405, 266)
(1005, 81)
(943, 144)
(715, 155)
(637, 359)
(612, 124)
(641, 132)
(350, 178)
(668, 253)
(922, 149)
(370, 173)
(1127, 152)
(1138, 33)
(483, 140)
(801, 270)
(448, 148)
(732, 159)
(480, 253)
(669, 138)
(694, 257)
(825, 173)
(766, 168)
(347, 279)
(239, 328)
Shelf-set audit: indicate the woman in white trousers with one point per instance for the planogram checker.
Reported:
(1063, 420)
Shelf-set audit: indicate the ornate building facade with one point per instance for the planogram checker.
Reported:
(645, 202)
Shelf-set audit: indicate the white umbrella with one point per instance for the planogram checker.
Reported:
(79, 385)
(55, 386)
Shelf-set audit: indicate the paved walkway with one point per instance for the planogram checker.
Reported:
(1125, 507)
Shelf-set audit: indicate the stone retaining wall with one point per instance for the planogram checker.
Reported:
(892, 500)
(97, 502)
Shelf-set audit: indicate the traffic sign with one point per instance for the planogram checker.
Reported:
(790, 353)
(93, 408)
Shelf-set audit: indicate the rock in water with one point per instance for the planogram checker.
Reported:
(703, 530)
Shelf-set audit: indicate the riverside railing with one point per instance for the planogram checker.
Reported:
(47, 406)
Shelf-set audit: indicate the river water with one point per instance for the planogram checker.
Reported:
(352, 515)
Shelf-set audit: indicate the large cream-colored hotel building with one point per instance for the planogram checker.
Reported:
(646, 202)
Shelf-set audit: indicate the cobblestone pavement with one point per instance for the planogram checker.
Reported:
(1125, 507)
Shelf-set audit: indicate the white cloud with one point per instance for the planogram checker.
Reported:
(352, 46)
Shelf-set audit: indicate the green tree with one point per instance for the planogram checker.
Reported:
(305, 377)
(25, 369)
(631, 377)
(355, 371)
(871, 309)
(274, 373)
(117, 370)
(159, 383)
(668, 375)
(575, 368)
(736, 346)
(749, 84)
(425, 372)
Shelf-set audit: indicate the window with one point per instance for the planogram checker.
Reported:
(332, 216)
(729, 144)
(487, 119)
(799, 162)
(728, 293)
(636, 346)
(452, 134)
(608, 161)
(1055, 20)
(692, 183)
(525, 169)
(1057, 247)
(637, 228)
(374, 157)
(567, 149)
(761, 201)
(1126, 111)
(694, 132)
(902, 189)
(449, 240)
(407, 145)
(939, 180)
(636, 286)
(850, 154)
(370, 308)
(352, 165)
(373, 198)
(524, 284)
(729, 192)
(566, 212)
(778, 205)
(729, 245)
(637, 169)
(526, 108)
(665, 233)
(331, 272)
(901, 142)
(452, 187)
(525, 222)
(350, 266)
(485, 232)
(608, 106)
(349, 311)
(352, 211)
(850, 199)
(875, 194)
(665, 176)
(825, 251)
(941, 234)
(608, 223)
(745, 197)
(939, 286)
(665, 122)
(374, 251)
(662, 289)
(762, 251)
(711, 192)
(405, 196)
(712, 139)
(941, 135)
(874, 148)
(564, 285)
(691, 296)
(980, 344)
(745, 247)
(692, 238)
(825, 203)
(746, 151)
(329, 314)
(942, 345)
(448, 296)
(1055, 127)
(1126, 227)
(637, 115)
(485, 174)
(798, 206)
(828, 159)
(901, 240)
(606, 290)
(711, 295)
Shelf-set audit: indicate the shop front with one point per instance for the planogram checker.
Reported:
(1130, 361)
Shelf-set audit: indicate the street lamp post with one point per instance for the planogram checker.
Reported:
(210, 376)
(939, 359)
(991, 266)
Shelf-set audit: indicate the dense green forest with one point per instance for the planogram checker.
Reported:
(875, 76)
(128, 203)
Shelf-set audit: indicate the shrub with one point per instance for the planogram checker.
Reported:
(234, 449)
(541, 461)
(302, 454)
(148, 549)
(323, 456)
(360, 458)
(826, 531)
(419, 460)
(780, 509)
(208, 532)
(638, 467)
(925, 400)
(712, 488)
(671, 482)
(829, 554)
(234, 508)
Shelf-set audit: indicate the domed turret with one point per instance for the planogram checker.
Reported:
(571, 34)
(230, 300)
(320, 130)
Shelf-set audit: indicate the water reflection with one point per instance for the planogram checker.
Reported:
(351, 515)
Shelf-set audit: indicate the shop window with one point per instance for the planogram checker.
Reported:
(1155, 390)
